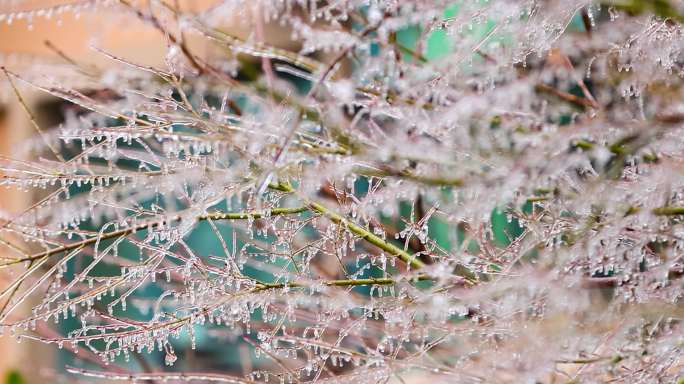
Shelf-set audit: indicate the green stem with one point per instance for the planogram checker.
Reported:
(368, 236)
(358, 230)
(140, 227)
(335, 283)
(405, 174)
(253, 215)
(668, 211)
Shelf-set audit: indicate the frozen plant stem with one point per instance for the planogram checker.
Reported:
(358, 230)
(337, 283)
(317, 207)
(140, 227)
(573, 133)
(368, 236)
(668, 211)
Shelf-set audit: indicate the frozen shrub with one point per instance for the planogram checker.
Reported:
(452, 191)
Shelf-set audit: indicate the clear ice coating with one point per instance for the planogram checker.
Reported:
(454, 191)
